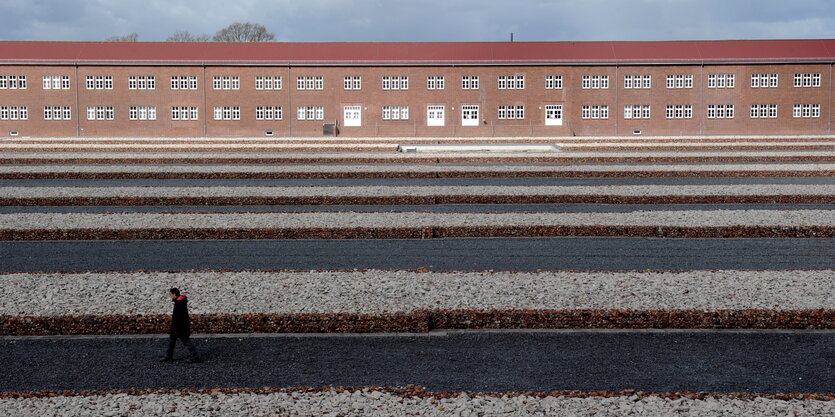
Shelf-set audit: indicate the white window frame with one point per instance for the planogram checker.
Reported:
(553, 82)
(553, 115)
(435, 115)
(470, 115)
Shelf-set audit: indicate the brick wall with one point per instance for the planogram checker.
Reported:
(371, 98)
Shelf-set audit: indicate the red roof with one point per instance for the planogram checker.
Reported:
(419, 53)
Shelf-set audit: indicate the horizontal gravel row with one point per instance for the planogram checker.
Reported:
(373, 292)
(427, 191)
(433, 169)
(409, 401)
(420, 321)
(563, 158)
(386, 220)
(392, 147)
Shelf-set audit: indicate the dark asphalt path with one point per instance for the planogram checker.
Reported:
(571, 253)
(474, 361)
(434, 208)
(535, 181)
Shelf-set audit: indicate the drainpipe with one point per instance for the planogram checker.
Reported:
(77, 105)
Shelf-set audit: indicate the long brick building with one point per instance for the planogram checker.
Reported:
(416, 89)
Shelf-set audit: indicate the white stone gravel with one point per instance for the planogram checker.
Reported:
(398, 156)
(383, 146)
(379, 403)
(406, 139)
(416, 168)
(431, 190)
(332, 220)
(403, 291)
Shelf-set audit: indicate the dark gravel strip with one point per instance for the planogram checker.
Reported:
(360, 182)
(359, 174)
(431, 208)
(421, 321)
(722, 362)
(332, 200)
(429, 232)
(500, 254)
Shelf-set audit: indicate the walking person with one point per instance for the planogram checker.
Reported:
(180, 328)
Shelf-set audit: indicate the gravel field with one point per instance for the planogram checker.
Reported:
(381, 403)
(325, 220)
(401, 291)
(416, 168)
(385, 191)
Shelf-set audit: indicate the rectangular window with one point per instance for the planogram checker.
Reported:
(259, 83)
(711, 81)
(91, 113)
(469, 82)
(688, 81)
(627, 81)
(108, 82)
(772, 111)
(22, 82)
(91, 82)
(13, 113)
(143, 113)
(110, 113)
(47, 83)
(152, 82)
(671, 81)
(320, 83)
(259, 113)
(67, 113)
(553, 82)
(24, 113)
(218, 113)
(586, 81)
(4, 112)
(627, 111)
(807, 110)
(217, 83)
(4, 82)
(192, 82)
(816, 80)
(236, 113)
(816, 110)
(99, 113)
(798, 80)
(236, 82)
(435, 82)
(99, 82)
(670, 111)
(352, 82)
(679, 80)
(133, 113)
(469, 115)
(386, 82)
(586, 113)
(132, 82)
(310, 83)
(502, 83)
(226, 82)
(711, 111)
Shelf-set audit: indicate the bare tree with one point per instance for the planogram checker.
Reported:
(186, 36)
(131, 37)
(243, 32)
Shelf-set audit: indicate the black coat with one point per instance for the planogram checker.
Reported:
(180, 325)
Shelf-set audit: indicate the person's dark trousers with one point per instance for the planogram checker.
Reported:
(172, 341)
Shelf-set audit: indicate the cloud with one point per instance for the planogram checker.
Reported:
(427, 20)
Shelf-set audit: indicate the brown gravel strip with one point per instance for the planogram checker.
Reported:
(394, 175)
(423, 160)
(420, 321)
(422, 233)
(392, 148)
(418, 200)
(411, 140)
(348, 148)
(615, 148)
(412, 391)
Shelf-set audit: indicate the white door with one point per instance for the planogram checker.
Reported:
(469, 115)
(435, 115)
(553, 115)
(352, 116)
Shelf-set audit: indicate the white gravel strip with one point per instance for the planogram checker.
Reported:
(388, 191)
(392, 155)
(332, 220)
(402, 291)
(379, 403)
(372, 144)
(416, 168)
(437, 138)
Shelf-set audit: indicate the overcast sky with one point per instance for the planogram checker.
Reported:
(423, 20)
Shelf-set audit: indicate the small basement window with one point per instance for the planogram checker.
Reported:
(636, 132)
(268, 133)
(13, 133)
